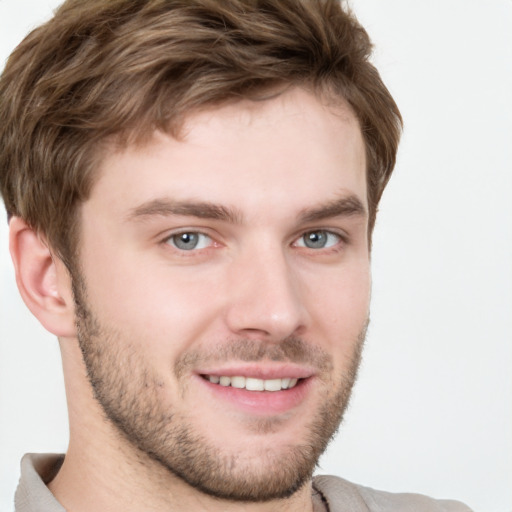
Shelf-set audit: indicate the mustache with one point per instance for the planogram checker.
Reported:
(290, 350)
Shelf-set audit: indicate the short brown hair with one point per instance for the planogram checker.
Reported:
(103, 69)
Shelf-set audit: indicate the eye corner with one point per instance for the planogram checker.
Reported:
(320, 239)
(188, 240)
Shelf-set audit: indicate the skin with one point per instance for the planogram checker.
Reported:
(242, 301)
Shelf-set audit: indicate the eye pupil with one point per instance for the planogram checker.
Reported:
(315, 239)
(186, 240)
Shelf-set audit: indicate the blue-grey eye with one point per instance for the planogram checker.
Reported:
(320, 239)
(189, 240)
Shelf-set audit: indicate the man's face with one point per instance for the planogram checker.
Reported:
(223, 292)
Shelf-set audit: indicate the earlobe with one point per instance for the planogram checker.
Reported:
(43, 280)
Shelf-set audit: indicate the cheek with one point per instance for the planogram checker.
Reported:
(341, 307)
(154, 306)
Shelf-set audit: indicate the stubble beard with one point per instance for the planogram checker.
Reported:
(131, 398)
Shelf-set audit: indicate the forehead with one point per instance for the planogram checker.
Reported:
(284, 150)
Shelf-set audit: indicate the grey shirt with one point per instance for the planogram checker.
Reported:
(335, 494)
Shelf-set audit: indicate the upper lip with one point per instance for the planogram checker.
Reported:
(260, 371)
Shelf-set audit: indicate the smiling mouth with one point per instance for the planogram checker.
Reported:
(252, 384)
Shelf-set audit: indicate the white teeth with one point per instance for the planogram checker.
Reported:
(285, 383)
(273, 385)
(238, 382)
(225, 381)
(252, 384)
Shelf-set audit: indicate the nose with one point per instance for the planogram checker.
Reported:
(265, 299)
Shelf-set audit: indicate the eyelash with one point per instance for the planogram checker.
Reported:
(319, 233)
(191, 234)
(336, 246)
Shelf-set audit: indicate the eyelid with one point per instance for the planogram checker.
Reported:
(167, 237)
(203, 241)
(342, 235)
(339, 245)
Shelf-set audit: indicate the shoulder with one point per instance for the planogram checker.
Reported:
(343, 495)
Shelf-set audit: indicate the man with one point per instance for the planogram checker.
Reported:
(192, 188)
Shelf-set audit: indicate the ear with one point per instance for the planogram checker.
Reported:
(43, 280)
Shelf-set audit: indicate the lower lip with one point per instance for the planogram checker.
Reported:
(261, 402)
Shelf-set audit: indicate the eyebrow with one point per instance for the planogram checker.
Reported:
(201, 209)
(344, 207)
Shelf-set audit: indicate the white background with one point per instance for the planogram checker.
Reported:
(432, 411)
